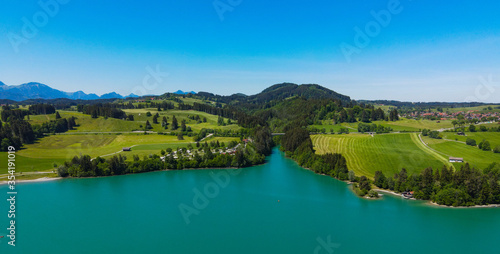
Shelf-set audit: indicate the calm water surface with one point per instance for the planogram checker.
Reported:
(273, 208)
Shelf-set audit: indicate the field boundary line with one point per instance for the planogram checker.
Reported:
(434, 153)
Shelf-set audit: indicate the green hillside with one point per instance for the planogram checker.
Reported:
(100, 124)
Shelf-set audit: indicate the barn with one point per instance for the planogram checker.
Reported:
(455, 159)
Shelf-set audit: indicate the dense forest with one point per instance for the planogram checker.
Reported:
(297, 144)
(465, 187)
(16, 131)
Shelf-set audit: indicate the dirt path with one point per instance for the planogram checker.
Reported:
(435, 153)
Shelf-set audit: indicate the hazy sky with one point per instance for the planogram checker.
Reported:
(415, 50)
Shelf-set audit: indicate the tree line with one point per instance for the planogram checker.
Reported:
(363, 127)
(297, 145)
(15, 133)
(84, 166)
(105, 110)
(465, 187)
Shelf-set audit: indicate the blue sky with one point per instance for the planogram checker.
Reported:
(427, 51)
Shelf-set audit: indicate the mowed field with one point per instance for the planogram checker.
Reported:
(88, 124)
(408, 125)
(417, 125)
(472, 155)
(388, 153)
(492, 137)
(42, 155)
(478, 109)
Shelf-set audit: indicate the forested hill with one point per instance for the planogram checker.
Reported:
(279, 92)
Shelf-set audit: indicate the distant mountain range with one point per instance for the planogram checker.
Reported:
(35, 90)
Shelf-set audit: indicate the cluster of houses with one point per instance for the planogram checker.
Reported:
(190, 153)
(469, 115)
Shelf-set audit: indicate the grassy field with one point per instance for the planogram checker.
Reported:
(473, 155)
(490, 125)
(328, 127)
(59, 148)
(479, 109)
(88, 124)
(415, 125)
(140, 117)
(492, 137)
(387, 153)
(56, 149)
(401, 125)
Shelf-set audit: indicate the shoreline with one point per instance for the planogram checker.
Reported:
(46, 179)
(427, 202)
(430, 203)
(42, 179)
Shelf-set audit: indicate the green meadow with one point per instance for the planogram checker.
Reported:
(492, 137)
(408, 125)
(42, 155)
(388, 153)
(391, 152)
(101, 124)
(478, 109)
(472, 155)
(107, 136)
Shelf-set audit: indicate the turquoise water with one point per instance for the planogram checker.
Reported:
(273, 208)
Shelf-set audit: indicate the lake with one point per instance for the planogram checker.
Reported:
(277, 207)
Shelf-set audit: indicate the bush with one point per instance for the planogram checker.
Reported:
(471, 142)
(62, 171)
(425, 132)
(435, 135)
(373, 194)
(497, 149)
(364, 184)
(360, 192)
(485, 145)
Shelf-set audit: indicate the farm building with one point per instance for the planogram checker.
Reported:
(455, 159)
(127, 149)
